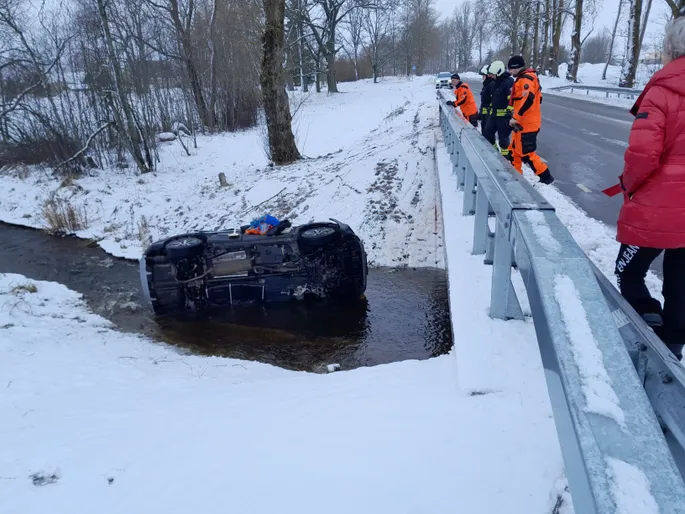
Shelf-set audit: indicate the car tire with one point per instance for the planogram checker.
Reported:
(184, 247)
(317, 235)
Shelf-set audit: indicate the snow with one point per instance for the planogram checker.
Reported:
(101, 421)
(599, 393)
(543, 232)
(591, 75)
(631, 489)
(369, 155)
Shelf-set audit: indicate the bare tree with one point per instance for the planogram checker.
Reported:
(677, 7)
(376, 24)
(353, 40)
(613, 39)
(125, 121)
(577, 40)
(597, 48)
(276, 106)
(632, 43)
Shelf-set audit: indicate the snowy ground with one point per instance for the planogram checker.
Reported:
(100, 421)
(369, 154)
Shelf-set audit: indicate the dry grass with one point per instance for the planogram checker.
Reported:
(28, 287)
(20, 171)
(144, 234)
(60, 216)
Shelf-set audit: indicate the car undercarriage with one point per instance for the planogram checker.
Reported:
(204, 270)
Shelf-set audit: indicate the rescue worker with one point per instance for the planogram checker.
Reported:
(485, 97)
(498, 123)
(464, 100)
(526, 119)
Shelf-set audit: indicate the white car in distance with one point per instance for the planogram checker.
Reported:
(442, 79)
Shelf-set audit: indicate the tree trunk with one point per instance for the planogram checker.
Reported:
(645, 19)
(613, 40)
(300, 53)
(545, 44)
(536, 37)
(632, 45)
(572, 70)
(212, 67)
(276, 106)
(556, 37)
(188, 61)
(331, 79)
(128, 127)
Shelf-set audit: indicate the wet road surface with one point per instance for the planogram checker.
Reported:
(405, 315)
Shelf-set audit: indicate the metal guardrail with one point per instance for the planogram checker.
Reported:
(603, 417)
(618, 91)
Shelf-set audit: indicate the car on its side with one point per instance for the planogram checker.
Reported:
(443, 79)
(195, 272)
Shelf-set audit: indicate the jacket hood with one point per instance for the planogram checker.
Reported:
(669, 77)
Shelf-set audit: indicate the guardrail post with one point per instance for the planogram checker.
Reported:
(481, 229)
(503, 301)
(469, 190)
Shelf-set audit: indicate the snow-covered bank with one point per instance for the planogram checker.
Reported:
(99, 421)
(369, 152)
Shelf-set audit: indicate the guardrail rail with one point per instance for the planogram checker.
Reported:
(618, 91)
(614, 387)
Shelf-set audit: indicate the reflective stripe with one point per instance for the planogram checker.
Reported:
(502, 112)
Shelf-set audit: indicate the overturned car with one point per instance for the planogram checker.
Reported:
(203, 270)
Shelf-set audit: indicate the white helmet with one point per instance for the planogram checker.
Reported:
(497, 68)
(484, 70)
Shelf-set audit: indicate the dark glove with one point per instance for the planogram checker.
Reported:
(450, 102)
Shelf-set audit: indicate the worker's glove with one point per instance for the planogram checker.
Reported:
(515, 125)
(450, 102)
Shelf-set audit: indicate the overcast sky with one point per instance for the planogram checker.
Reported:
(605, 16)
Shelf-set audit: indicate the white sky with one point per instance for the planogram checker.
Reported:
(605, 17)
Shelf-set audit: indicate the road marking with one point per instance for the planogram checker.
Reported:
(593, 115)
(584, 188)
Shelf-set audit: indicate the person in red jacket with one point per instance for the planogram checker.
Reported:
(652, 218)
(464, 100)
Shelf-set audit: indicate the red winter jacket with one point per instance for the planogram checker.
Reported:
(653, 180)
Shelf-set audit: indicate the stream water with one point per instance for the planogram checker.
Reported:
(405, 315)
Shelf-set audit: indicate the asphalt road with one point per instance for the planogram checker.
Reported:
(583, 143)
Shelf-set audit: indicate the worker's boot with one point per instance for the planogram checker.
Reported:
(546, 177)
(675, 340)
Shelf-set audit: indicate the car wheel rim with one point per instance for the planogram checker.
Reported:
(318, 232)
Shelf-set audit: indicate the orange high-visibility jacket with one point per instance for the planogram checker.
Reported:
(526, 97)
(465, 100)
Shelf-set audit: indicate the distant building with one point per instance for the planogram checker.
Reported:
(651, 58)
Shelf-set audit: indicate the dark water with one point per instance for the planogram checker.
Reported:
(405, 315)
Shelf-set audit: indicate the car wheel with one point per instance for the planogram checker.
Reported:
(184, 247)
(317, 235)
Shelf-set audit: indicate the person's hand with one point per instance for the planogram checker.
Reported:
(450, 102)
(515, 125)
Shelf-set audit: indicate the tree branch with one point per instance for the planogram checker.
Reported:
(85, 147)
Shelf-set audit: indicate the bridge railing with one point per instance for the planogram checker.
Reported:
(607, 427)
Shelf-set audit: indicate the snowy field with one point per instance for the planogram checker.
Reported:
(100, 421)
(369, 154)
